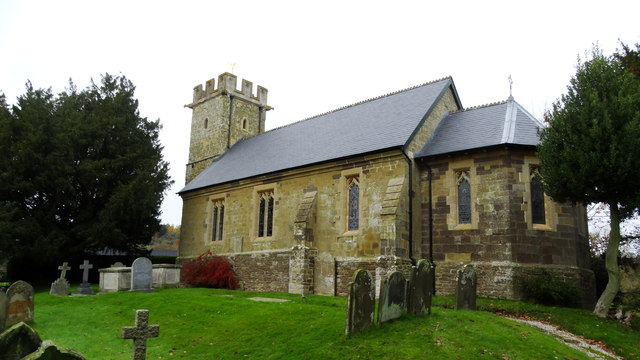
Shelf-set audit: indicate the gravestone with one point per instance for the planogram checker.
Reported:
(20, 307)
(141, 275)
(117, 264)
(85, 287)
(361, 302)
(18, 341)
(466, 287)
(60, 287)
(4, 303)
(421, 289)
(50, 351)
(21, 342)
(393, 297)
(140, 333)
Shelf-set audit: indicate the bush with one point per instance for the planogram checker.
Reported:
(543, 288)
(208, 270)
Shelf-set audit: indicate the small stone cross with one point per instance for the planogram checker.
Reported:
(64, 268)
(85, 274)
(140, 333)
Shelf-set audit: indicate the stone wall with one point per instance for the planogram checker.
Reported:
(262, 271)
(501, 239)
(328, 230)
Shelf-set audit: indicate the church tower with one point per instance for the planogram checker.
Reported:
(220, 117)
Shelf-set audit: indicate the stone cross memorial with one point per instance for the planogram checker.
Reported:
(85, 287)
(361, 302)
(140, 333)
(421, 289)
(466, 279)
(60, 287)
(393, 297)
(141, 275)
(20, 307)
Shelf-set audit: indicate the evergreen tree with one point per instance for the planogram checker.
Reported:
(80, 171)
(590, 152)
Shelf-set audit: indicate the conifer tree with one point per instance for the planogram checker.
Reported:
(80, 171)
(590, 152)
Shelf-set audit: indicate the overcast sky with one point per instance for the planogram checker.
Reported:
(313, 57)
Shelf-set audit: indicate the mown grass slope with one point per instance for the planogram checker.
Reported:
(221, 324)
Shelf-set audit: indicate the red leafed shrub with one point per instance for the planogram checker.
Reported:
(208, 270)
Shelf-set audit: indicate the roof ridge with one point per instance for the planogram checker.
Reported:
(480, 106)
(361, 102)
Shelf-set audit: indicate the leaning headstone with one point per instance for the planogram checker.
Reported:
(4, 303)
(141, 275)
(466, 279)
(360, 302)
(61, 286)
(393, 297)
(20, 307)
(140, 333)
(18, 341)
(50, 351)
(421, 289)
(85, 287)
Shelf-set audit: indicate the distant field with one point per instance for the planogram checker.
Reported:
(221, 324)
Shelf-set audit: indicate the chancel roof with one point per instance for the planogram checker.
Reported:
(373, 125)
(504, 123)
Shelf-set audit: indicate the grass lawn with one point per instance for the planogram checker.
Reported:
(221, 324)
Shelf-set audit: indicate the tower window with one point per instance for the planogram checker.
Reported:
(244, 124)
(206, 123)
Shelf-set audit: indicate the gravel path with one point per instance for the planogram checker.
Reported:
(590, 347)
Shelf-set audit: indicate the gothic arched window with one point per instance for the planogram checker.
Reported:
(464, 198)
(265, 214)
(353, 186)
(537, 199)
(217, 221)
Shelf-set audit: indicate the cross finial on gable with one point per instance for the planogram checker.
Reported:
(140, 333)
(64, 267)
(510, 88)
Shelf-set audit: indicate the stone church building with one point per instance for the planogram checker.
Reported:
(374, 185)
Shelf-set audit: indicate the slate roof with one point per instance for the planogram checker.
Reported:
(495, 124)
(382, 123)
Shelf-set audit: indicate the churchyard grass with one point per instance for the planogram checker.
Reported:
(623, 340)
(222, 324)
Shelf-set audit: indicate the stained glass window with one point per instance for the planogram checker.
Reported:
(354, 203)
(265, 215)
(464, 198)
(537, 200)
(270, 216)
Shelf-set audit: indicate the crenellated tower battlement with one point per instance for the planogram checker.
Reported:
(227, 85)
(221, 116)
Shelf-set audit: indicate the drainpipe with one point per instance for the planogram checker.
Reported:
(410, 193)
(433, 264)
